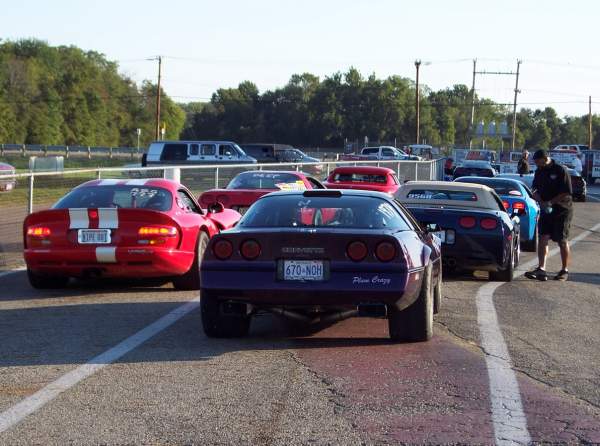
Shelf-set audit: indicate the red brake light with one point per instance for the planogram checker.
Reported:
(489, 223)
(467, 222)
(250, 249)
(385, 251)
(519, 205)
(357, 251)
(38, 231)
(161, 231)
(506, 204)
(93, 214)
(222, 249)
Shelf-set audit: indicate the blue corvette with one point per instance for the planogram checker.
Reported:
(323, 255)
(517, 198)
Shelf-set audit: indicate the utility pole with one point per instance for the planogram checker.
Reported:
(517, 91)
(418, 102)
(472, 117)
(158, 99)
(590, 136)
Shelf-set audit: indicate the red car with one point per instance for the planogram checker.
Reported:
(249, 186)
(122, 228)
(380, 179)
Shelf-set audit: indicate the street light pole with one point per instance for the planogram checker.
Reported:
(418, 102)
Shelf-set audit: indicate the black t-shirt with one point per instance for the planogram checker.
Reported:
(553, 180)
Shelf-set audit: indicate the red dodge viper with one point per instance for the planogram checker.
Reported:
(138, 228)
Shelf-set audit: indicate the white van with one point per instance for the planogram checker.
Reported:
(195, 152)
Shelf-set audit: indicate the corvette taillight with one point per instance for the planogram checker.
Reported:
(223, 249)
(385, 251)
(467, 222)
(250, 249)
(506, 204)
(157, 231)
(357, 251)
(489, 223)
(39, 231)
(520, 206)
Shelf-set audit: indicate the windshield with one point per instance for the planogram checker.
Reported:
(267, 180)
(290, 211)
(240, 150)
(359, 178)
(141, 197)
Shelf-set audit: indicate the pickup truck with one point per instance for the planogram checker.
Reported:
(382, 153)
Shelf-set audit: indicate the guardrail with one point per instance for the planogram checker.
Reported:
(39, 190)
(85, 151)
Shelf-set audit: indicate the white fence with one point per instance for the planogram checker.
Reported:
(40, 190)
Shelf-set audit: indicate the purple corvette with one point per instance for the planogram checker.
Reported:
(322, 256)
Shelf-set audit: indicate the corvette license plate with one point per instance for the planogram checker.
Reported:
(93, 236)
(303, 270)
(441, 235)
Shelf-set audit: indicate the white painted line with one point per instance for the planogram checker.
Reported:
(508, 416)
(591, 197)
(39, 399)
(12, 271)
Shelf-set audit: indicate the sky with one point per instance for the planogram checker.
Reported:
(218, 44)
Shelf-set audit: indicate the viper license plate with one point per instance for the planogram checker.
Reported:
(93, 236)
(303, 270)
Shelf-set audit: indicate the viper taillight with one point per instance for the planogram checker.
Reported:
(159, 231)
(357, 251)
(39, 231)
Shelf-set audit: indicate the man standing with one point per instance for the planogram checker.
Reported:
(577, 165)
(523, 166)
(553, 190)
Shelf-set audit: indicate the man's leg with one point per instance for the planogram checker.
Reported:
(543, 250)
(565, 254)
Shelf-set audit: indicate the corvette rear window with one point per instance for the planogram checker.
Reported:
(359, 178)
(441, 194)
(289, 211)
(500, 187)
(267, 180)
(117, 196)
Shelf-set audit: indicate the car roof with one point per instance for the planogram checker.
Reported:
(296, 173)
(194, 142)
(363, 169)
(339, 192)
(6, 166)
(154, 182)
(485, 195)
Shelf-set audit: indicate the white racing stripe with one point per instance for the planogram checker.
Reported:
(29, 405)
(108, 218)
(508, 416)
(136, 182)
(106, 254)
(108, 182)
(78, 218)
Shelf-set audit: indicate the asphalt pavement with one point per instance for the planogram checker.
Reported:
(346, 384)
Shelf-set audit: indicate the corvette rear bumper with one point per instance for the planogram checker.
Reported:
(109, 261)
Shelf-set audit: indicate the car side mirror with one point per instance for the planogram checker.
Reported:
(215, 208)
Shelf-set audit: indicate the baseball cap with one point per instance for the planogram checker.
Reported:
(540, 154)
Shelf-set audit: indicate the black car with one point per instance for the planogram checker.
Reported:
(475, 169)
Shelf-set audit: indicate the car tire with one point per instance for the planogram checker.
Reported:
(218, 325)
(415, 323)
(531, 245)
(191, 279)
(437, 293)
(507, 274)
(42, 282)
